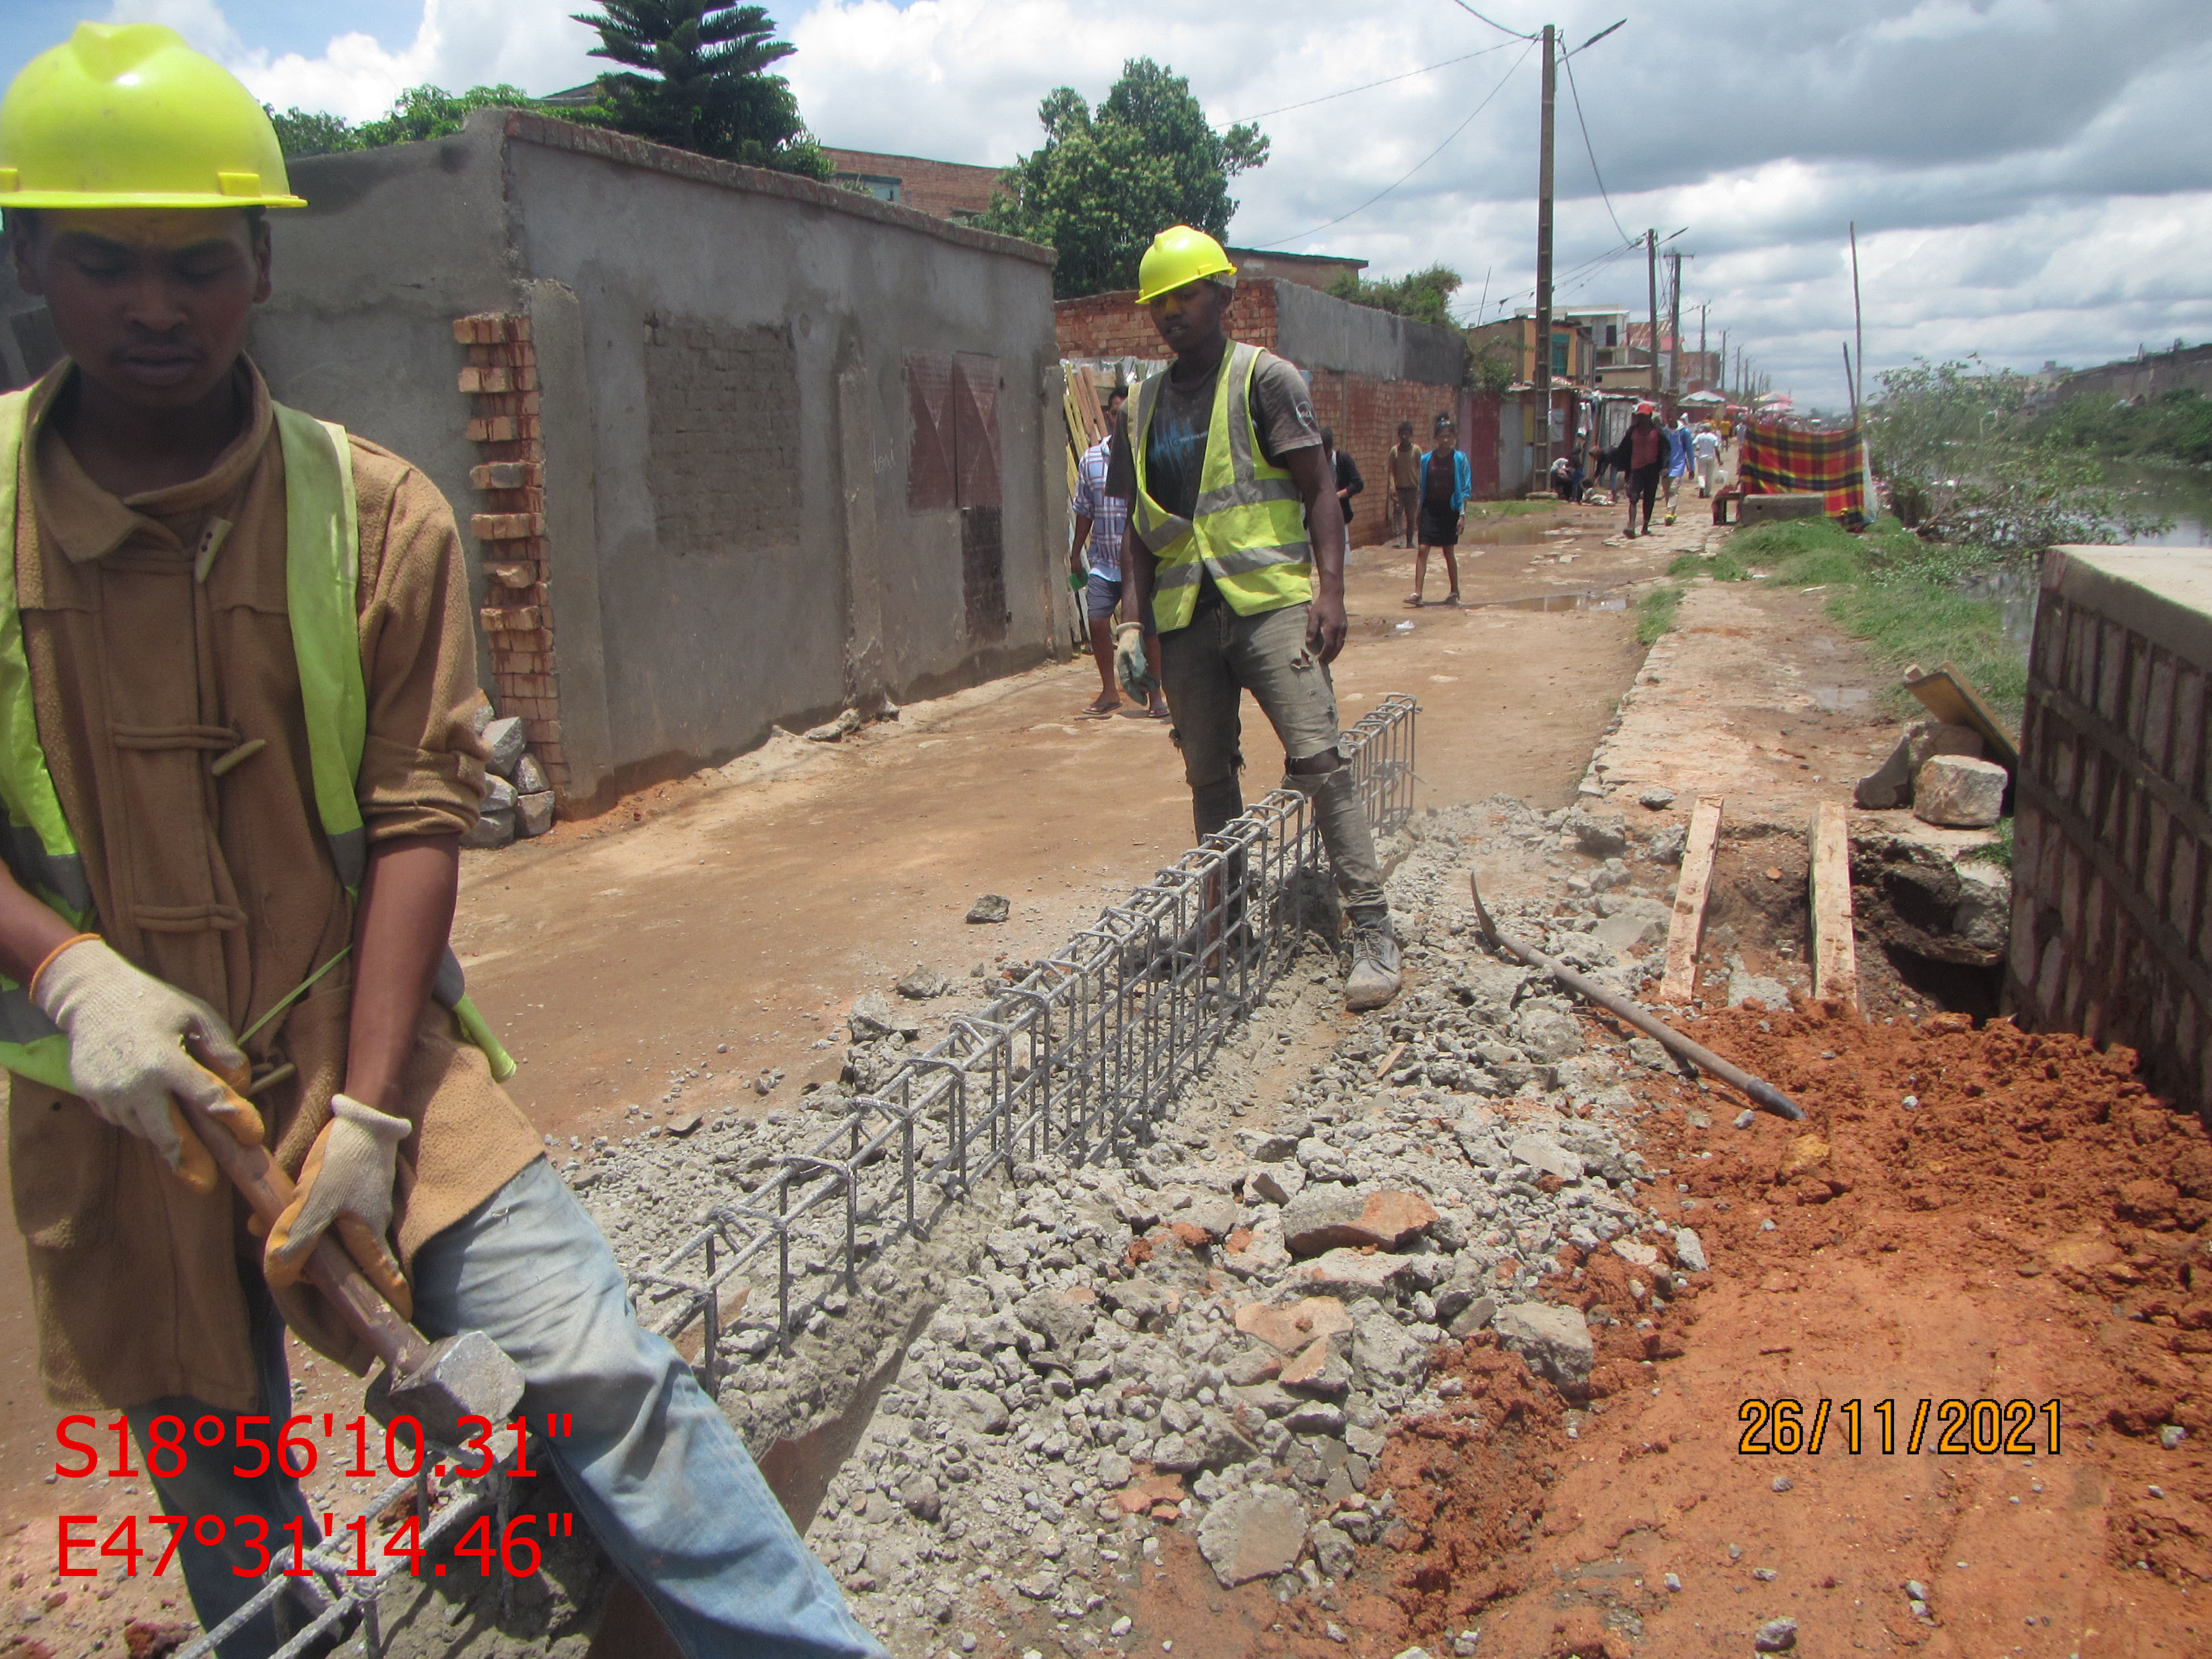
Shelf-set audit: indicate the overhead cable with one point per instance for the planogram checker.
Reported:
(1591, 149)
(1418, 165)
(1370, 85)
(1492, 21)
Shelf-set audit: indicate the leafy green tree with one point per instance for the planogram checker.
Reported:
(420, 113)
(698, 80)
(2174, 426)
(1104, 183)
(1961, 462)
(1424, 296)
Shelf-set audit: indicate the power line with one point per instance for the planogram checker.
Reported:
(1424, 160)
(1369, 86)
(1492, 21)
(1591, 149)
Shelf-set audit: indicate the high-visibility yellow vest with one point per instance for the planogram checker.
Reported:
(1247, 529)
(322, 568)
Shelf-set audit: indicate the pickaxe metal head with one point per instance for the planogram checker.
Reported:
(464, 1376)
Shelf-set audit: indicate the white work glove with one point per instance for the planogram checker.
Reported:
(1129, 664)
(127, 1032)
(346, 1182)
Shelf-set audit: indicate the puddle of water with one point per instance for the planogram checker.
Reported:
(1834, 698)
(1548, 602)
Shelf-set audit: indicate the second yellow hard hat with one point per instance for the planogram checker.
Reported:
(1179, 254)
(127, 115)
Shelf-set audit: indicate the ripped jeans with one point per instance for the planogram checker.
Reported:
(1205, 669)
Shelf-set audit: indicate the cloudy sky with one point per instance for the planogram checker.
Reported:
(2031, 177)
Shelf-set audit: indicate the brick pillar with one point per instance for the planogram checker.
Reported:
(501, 382)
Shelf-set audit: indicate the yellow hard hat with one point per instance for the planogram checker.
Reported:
(1179, 255)
(127, 115)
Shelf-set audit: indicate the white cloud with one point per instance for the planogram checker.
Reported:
(200, 22)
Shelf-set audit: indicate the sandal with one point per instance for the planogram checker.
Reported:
(1452, 598)
(1099, 707)
(1414, 600)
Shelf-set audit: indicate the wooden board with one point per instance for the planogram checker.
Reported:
(1686, 931)
(1950, 697)
(1835, 952)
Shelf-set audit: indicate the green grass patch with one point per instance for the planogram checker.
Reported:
(1997, 851)
(1903, 598)
(1655, 613)
(1509, 509)
(1722, 566)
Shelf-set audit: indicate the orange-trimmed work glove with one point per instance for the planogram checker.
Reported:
(127, 1032)
(346, 1182)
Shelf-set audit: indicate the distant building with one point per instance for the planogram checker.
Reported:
(1322, 271)
(945, 190)
(1575, 351)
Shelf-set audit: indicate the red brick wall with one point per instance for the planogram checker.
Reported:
(932, 187)
(1115, 326)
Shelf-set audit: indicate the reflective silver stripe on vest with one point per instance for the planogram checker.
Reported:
(33, 867)
(1246, 560)
(349, 851)
(21, 1021)
(1183, 573)
(1247, 492)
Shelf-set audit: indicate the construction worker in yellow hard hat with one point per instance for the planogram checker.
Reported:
(237, 755)
(1236, 557)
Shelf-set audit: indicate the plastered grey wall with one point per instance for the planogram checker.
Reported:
(691, 293)
(1318, 331)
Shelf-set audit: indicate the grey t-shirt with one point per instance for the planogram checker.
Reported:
(1175, 454)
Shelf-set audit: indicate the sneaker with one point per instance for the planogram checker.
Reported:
(1374, 977)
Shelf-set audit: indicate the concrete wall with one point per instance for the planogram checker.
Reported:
(2148, 376)
(699, 382)
(2111, 926)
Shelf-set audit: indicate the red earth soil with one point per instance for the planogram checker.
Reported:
(2036, 1227)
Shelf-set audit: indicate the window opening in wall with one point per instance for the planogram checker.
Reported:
(869, 184)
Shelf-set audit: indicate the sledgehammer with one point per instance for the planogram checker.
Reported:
(436, 1383)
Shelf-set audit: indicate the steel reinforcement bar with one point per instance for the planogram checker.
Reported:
(1079, 1061)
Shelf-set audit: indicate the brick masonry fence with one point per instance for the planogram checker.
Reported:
(2111, 924)
(501, 385)
(1362, 410)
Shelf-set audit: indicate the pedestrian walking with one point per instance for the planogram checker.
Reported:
(1678, 459)
(1345, 471)
(1406, 482)
(1101, 526)
(243, 754)
(1706, 448)
(1235, 558)
(1446, 483)
(1640, 457)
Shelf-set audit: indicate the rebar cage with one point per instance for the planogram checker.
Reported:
(1079, 1061)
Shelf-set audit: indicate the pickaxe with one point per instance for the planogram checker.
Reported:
(436, 1383)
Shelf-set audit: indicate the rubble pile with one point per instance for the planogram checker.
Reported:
(518, 796)
(1218, 1337)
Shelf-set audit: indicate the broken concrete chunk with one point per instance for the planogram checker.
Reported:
(921, 983)
(1548, 1033)
(1474, 1317)
(533, 813)
(529, 776)
(1959, 792)
(1288, 1326)
(1555, 1341)
(1689, 1249)
(1256, 1532)
(1890, 784)
(1326, 1217)
(874, 1018)
(504, 740)
(1546, 1155)
(1275, 1183)
(992, 907)
(836, 731)
(1062, 1322)
(1348, 1273)
(499, 794)
(1600, 835)
(494, 827)
(1657, 798)
(1929, 738)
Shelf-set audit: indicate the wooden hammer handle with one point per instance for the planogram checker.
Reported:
(330, 1269)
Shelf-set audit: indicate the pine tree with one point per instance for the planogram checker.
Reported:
(697, 80)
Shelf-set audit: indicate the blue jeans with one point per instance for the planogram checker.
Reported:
(653, 1467)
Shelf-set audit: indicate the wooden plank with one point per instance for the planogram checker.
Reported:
(1686, 931)
(1950, 697)
(1835, 952)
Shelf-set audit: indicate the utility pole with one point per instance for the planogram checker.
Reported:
(1858, 324)
(1675, 323)
(1702, 309)
(1651, 279)
(1542, 466)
